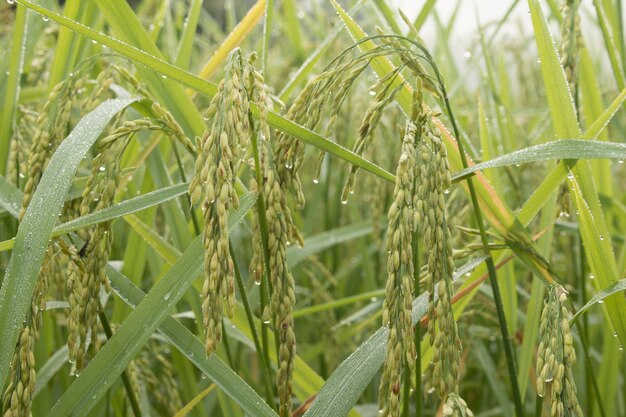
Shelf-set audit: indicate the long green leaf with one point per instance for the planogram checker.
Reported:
(11, 95)
(594, 230)
(108, 364)
(559, 97)
(324, 240)
(190, 346)
(599, 254)
(599, 297)
(124, 208)
(187, 343)
(205, 87)
(558, 149)
(35, 230)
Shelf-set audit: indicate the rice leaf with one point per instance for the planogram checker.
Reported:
(35, 230)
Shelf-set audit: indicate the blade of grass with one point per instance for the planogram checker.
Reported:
(600, 257)
(191, 404)
(423, 14)
(35, 230)
(209, 89)
(581, 182)
(119, 15)
(555, 150)
(292, 29)
(190, 346)
(66, 45)
(107, 365)
(12, 92)
(124, 208)
(599, 297)
(233, 39)
(185, 46)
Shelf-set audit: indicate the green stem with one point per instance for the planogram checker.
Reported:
(255, 336)
(125, 380)
(186, 197)
(260, 207)
(267, 31)
(589, 367)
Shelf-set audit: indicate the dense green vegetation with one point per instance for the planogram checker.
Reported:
(303, 208)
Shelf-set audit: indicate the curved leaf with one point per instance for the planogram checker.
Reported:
(132, 205)
(599, 298)
(558, 149)
(210, 89)
(110, 362)
(35, 230)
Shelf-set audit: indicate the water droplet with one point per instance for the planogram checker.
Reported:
(167, 296)
(45, 18)
(374, 299)
(620, 161)
(600, 301)
(344, 202)
(151, 27)
(614, 334)
(592, 276)
(164, 76)
(538, 60)
(93, 397)
(372, 93)
(467, 54)
(102, 169)
(266, 321)
(601, 237)
(570, 176)
(11, 1)
(316, 181)
(95, 42)
(203, 376)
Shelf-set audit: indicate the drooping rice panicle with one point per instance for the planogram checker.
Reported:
(219, 155)
(397, 308)
(556, 356)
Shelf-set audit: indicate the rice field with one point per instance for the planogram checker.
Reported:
(301, 209)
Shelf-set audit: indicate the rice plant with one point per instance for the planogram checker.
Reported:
(281, 208)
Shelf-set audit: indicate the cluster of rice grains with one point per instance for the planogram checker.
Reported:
(79, 272)
(397, 308)
(556, 356)
(422, 179)
(221, 152)
(219, 157)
